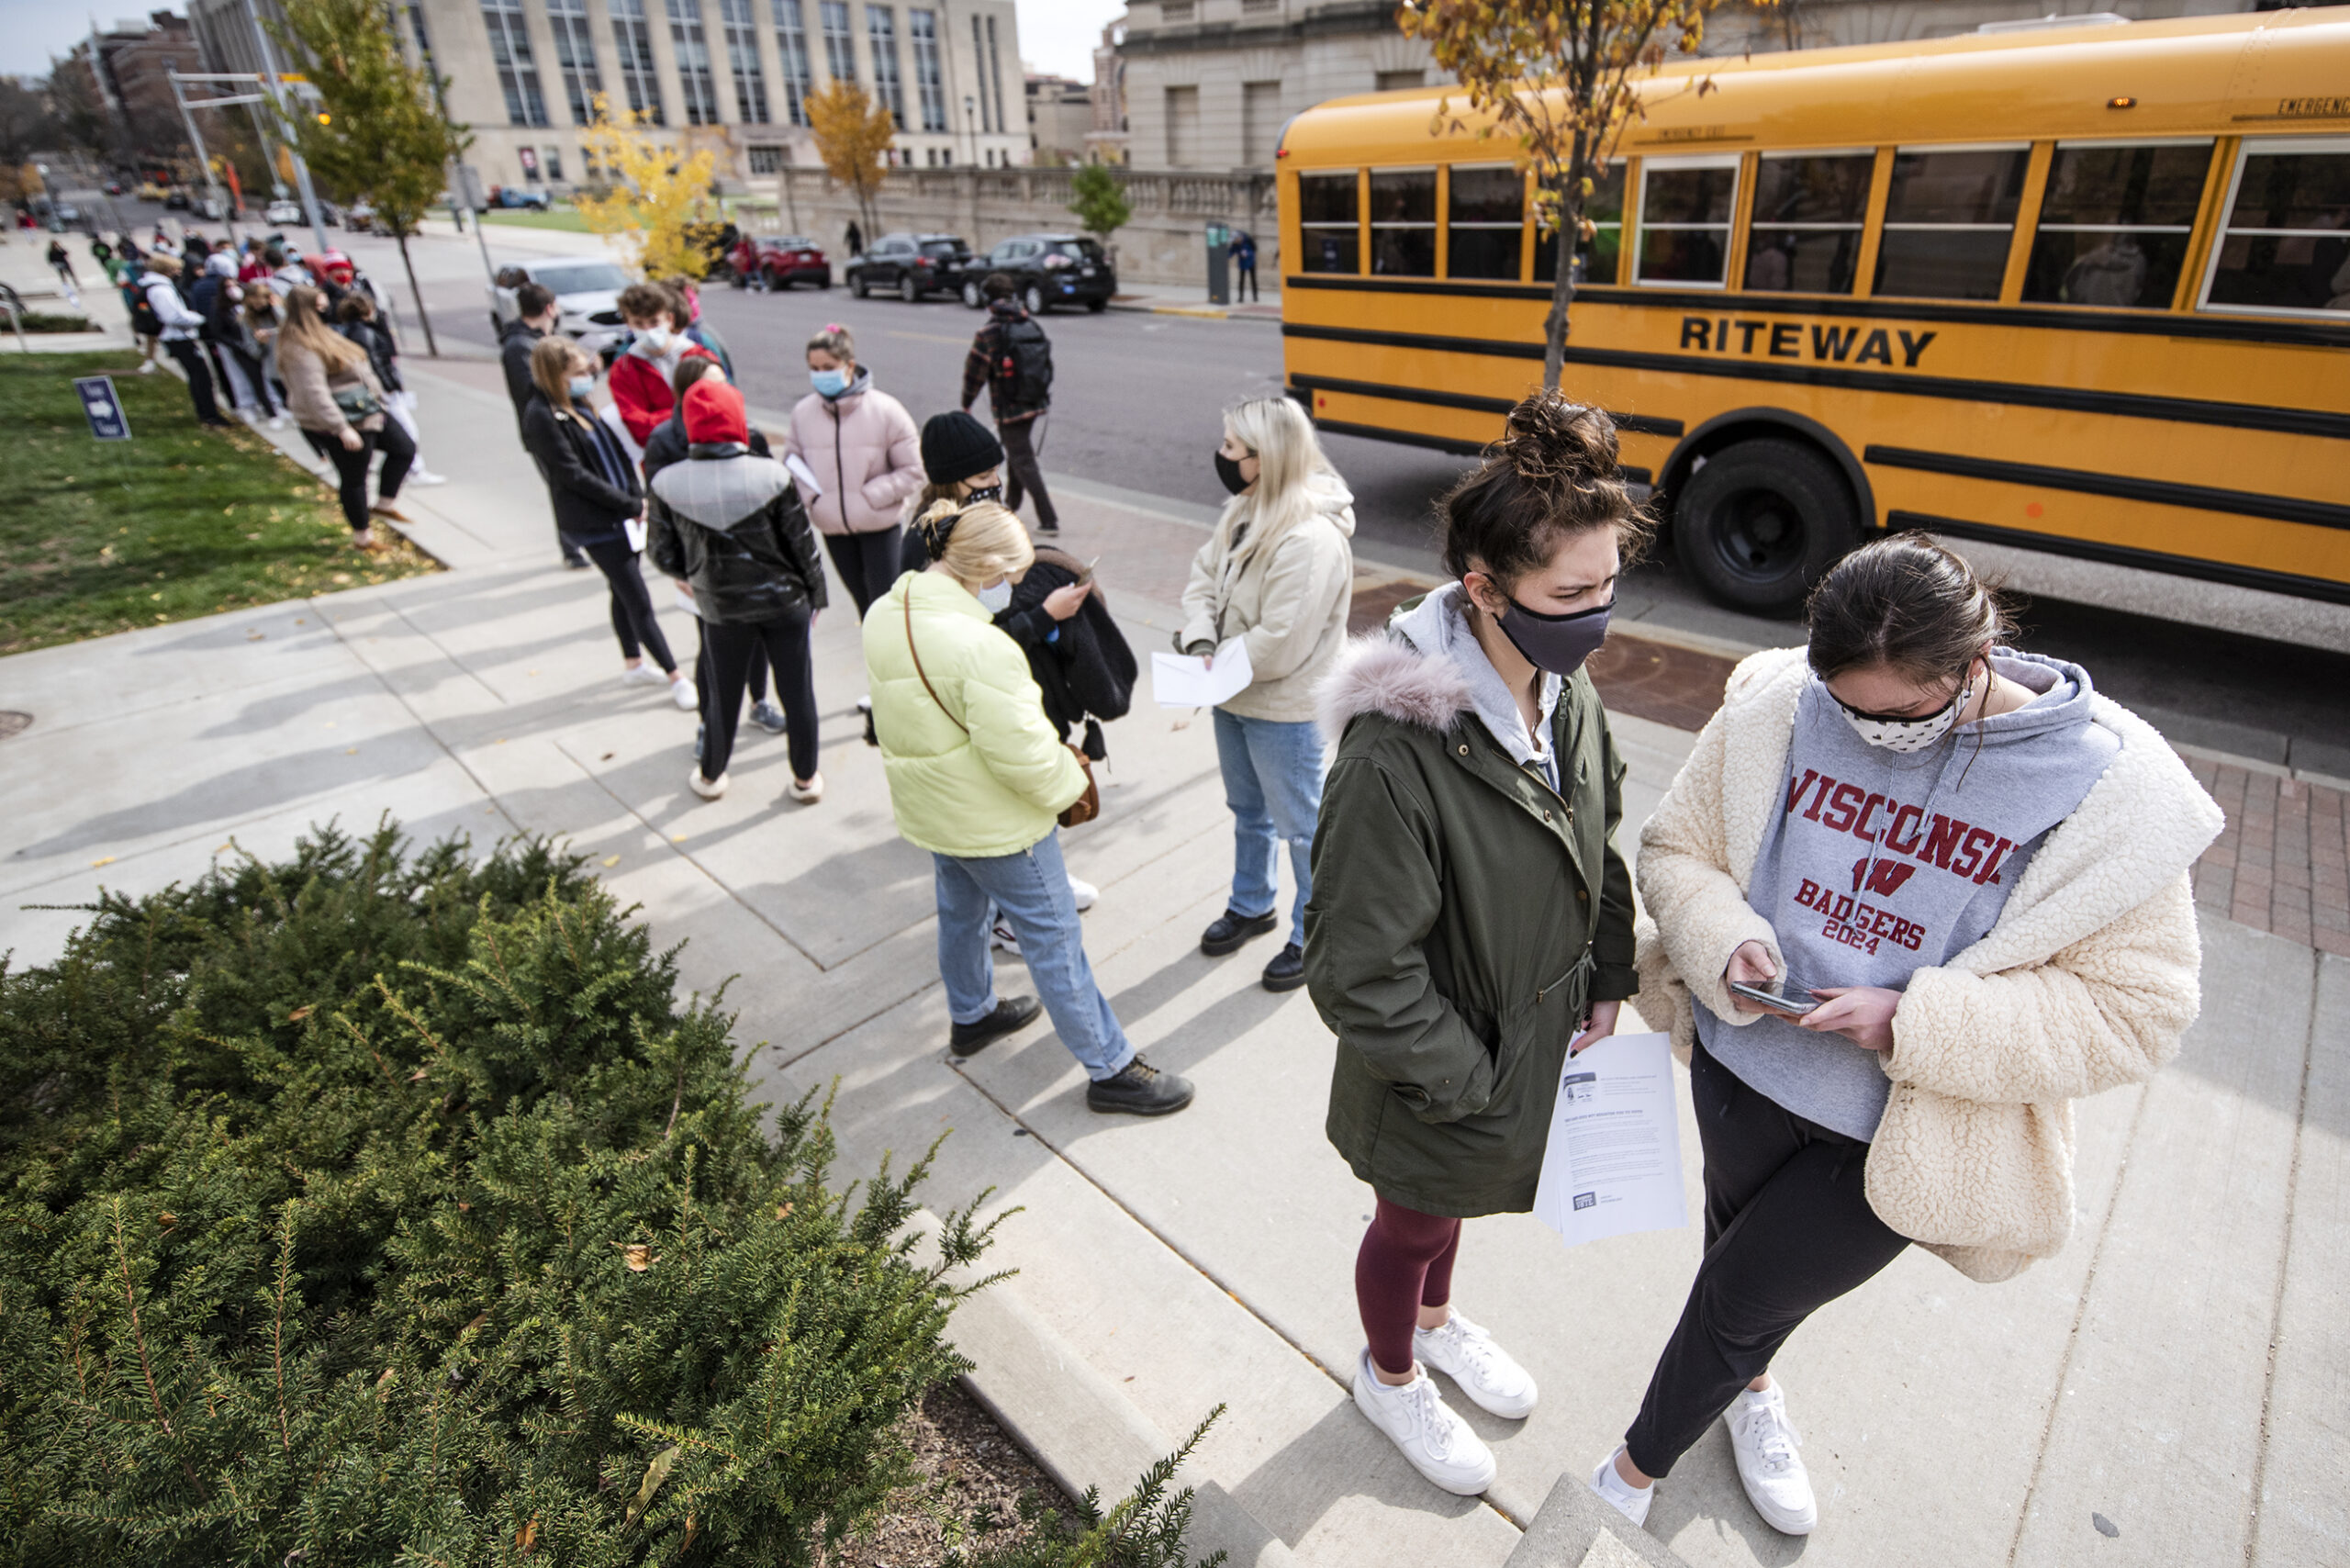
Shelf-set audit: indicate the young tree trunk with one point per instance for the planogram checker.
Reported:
(431, 349)
(1562, 281)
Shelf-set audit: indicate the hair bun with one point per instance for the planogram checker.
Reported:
(1551, 440)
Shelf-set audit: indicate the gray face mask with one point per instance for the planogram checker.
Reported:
(996, 598)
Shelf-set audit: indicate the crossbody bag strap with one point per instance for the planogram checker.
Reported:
(918, 669)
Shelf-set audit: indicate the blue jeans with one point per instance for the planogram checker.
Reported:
(1031, 888)
(1273, 782)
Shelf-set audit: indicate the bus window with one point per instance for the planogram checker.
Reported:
(1949, 221)
(1685, 219)
(1326, 210)
(1487, 218)
(1810, 208)
(2115, 224)
(1596, 262)
(1402, 222)
(2286, 244)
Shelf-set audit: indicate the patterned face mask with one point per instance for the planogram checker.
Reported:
(1899, 735)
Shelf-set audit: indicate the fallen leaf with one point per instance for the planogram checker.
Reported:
(638, 1255)
(420, 1075)
(167, 1221)
(692, 1528)
(351, 751)
(154, 596)
(301, 623)
(611, 860)
(674, 838)
(477, 1323)
(606, 757)
(301, 1012)
(225, 847)
(527, 1537)
(501, 740)
(103, 860)
(654, 1473)
(464, 1207)
(783, 1211)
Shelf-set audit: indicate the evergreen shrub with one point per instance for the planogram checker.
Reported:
(383, 1207)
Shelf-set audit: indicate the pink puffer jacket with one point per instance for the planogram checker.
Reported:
(864, 450)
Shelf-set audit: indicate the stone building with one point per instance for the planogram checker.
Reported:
(729, 75)
(1061, 113)
(127, 68)
(1819, 24)
(1107, 142)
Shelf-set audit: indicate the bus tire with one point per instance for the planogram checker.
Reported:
(1759, 522)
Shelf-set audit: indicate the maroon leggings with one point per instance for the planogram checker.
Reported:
(1405, 1263)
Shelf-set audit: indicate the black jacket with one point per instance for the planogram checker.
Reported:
(381, 357)
(669, 444)
(515, 342)
(980, 364)
(732, 525)
(588, 507)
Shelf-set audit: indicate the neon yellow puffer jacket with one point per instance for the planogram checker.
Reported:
(979, 771)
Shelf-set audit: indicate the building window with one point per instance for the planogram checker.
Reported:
(1804, 236)
(1487, 227)
(692, 46)
(423, 38)
(1174, 13)
(2288, 231)
(1259, 7)
(1325, 212)
(555, 164)
(791, 48)
(766, 160)
(1261, 122)
(930, 81)
(978, 58)
(510, 50)
(2115, 223)
(1685, 219)
(1182, 127)
(575, 57)
(840, 44)
(1402, 222)
(634, 39)
(743, 62)
(881, 41)
(995, 79)
(1949, 221)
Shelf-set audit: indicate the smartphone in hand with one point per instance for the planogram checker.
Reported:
(1772, 1000)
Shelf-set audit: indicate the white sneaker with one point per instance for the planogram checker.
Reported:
(808, 794)
(1765, 1442)
(682, 692)
(708, 788)
(1002, 936)
(1438, 1442)
(419, 476)
(277, 422)
(147, 367)
(1486, 1373)
(642, 675)
(1082, 893)
(1627, 1499)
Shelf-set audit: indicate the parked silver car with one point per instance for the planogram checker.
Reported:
(587, 296)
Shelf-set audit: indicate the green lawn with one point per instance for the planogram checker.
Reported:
(177, 522)
(564, 218)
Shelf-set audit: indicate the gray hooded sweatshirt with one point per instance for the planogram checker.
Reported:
(1881, 863)
(1439, 629)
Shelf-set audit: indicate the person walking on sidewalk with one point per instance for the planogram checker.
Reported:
(861, 445)
(596, 496)
(1470, 917)
(1243, 252)
(1013, 359)
(335, 399)
(1279, 574)
(730, 523)
(61, 260)
(2016, 932)
(179, 327)
(977, 778)
(357, 318)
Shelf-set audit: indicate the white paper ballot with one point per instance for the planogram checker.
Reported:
(1179, 680)
(1612, 1164)
(805, 474)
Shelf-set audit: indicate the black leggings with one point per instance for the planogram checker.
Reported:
(1789, 1229)
(350, 467)
(1021, 469)
(632, 620)
(867, 563)
(785, 640)
(190, 353)
(706, 670)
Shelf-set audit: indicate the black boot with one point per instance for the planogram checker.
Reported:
(1139, 1089)
(1011, 1013)
(1229, 930)
(1287, 972)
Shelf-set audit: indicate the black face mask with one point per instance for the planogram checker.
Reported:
(1228, 470)
(1558, 644)
(985, 493)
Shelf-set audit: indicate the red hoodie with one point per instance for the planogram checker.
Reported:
(641, 391)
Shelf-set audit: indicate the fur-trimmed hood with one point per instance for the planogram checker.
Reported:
(1380, 673)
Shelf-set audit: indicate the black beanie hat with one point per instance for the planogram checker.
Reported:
(956, 446)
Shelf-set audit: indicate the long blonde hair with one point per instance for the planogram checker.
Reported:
(305, 326)
(1289, 456)
(985, 542)
(550, 361)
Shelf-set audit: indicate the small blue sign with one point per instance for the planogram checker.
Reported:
(107, 421)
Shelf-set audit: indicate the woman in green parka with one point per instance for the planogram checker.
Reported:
(1472, 921)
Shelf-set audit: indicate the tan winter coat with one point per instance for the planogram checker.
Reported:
(1288, 595)
(2087, 982)
(311, 383)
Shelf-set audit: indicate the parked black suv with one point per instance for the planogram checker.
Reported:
(913, 264)
(1051, 269)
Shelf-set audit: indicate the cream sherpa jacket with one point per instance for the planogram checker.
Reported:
(2088, 981)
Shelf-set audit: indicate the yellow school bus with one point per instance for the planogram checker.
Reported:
(2083, 289)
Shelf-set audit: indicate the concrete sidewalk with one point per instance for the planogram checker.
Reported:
(2178, 1371)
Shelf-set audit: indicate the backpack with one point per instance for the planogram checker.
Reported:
(1023, 366)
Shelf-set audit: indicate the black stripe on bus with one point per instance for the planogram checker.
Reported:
(1720, 302)
(1631, 473)
(1638, 424)
(2129, 405)
(2199, 497)
(2122, 555)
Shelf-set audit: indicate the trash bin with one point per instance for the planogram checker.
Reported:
(1219, 264)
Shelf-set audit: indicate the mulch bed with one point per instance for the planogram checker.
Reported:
(974, 1478)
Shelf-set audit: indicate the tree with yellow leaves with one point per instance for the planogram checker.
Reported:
(853, 136)
(1564, 77)
(657, 194)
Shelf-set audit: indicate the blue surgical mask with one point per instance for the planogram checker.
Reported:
(581, 386)
(828, 383)
(997, 599)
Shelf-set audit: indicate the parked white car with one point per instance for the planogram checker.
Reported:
(283, 212)
(587, 296)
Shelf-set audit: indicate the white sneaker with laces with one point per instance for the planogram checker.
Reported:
(423, 476)
(1627, 1499)
(708, 788)
(1486, 1373)
(642, 675)
(1414, 1415)
(1082, 893)
(1765, 1442)
(1002, 936)
(682, 692)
